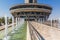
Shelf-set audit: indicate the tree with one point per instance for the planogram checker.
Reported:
(3, 20)
(0, 21)
(10, 20)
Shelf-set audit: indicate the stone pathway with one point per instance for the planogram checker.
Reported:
(47, 32)
(28, 33)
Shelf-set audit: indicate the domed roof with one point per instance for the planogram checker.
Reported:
(30, 4)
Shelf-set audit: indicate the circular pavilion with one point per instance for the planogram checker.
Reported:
(31, 11)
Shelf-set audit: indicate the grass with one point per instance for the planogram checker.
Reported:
(20, 33)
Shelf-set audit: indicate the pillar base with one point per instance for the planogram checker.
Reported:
(6, 38)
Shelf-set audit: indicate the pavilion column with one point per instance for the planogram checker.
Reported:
(39, 19)
(18, 20)
(6, 27)
(16, 23)
(36, 17)
(46, 18)
(43, 19)
(12, 24)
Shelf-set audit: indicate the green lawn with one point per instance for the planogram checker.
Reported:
(20, 33)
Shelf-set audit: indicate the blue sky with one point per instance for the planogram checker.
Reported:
(6, 4)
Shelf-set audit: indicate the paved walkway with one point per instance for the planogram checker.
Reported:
(47, 32)
(28, 33)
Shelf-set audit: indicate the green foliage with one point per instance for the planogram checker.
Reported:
(10, 20)
(2, 20)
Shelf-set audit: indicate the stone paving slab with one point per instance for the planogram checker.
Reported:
(48, 32)
(28, 33)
